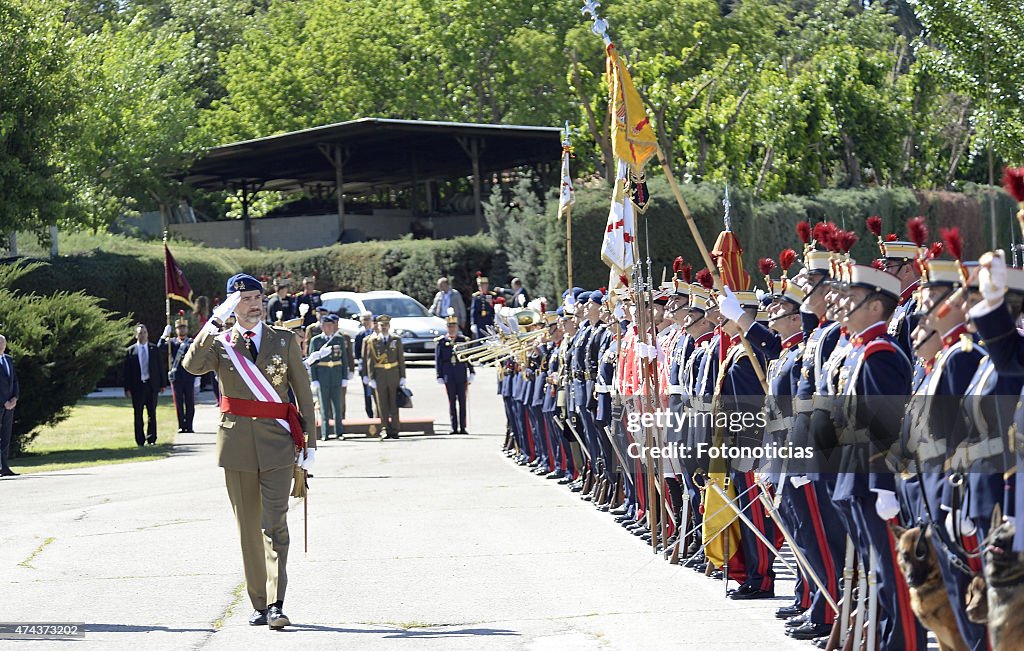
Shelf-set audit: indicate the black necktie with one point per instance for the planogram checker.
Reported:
(250, 345)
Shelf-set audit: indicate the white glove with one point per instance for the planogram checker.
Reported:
(315, 385)
(306, 463)
(223, 311)
(167, 331)
(886, 505)
(472, 376)
(967, 526)
(729, 305)
(440, 381)
(366, 380)
(373, 384)
(344, 383)
(401, 383)
(799, 480)
(620, 313)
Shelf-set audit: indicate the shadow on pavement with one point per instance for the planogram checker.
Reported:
(127, 628)
(400, 633)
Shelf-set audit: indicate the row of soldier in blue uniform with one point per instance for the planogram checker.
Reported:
(900, 378)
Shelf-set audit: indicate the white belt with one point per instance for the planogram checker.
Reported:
(984, 450)
(824, 402)
(803, 405)
(854, 437)
(931, 449)
(700, 405)
(780, 424)
(603, 388)
(675, 389)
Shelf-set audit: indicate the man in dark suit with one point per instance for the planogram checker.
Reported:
(144, 379)
(9, 398)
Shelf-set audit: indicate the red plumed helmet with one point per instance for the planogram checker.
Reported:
(891, 237)
(705, 278)
(954, 241)
(803, 231)
(935, 250)
(1013, 181)
(687, 273)
(874, 224)
(677, 264)
(917, 231)
(846, 241)
(766, 265)
(786, 259)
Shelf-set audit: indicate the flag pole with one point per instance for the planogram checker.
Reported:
(568, 245)
(167, 309)
(565, 205)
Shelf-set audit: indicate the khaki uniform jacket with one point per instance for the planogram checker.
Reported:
(253, 444)
(384, 362)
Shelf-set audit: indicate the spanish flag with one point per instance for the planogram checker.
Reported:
(716, 527)
(633, 139)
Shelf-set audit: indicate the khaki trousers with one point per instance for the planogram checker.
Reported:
(260, 503)
(387, 406)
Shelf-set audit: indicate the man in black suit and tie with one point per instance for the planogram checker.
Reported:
(144, 379)
(9, 398)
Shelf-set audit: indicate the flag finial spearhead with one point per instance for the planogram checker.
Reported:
(728, 208)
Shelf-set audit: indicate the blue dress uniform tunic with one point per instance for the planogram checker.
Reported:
(873, 384)
(455, 375)
(904, 320)
(481, 312)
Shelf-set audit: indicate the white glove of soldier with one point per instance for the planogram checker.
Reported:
(315, 385)
(799, 480)
(344, 383)
(373, 384)
(729, 305)
(167, 331)
(306, 463)
(401, 383)
(440, 380)
(366, 380)
(886, 505)
(620, 313)
(472, 376)
(991, 282)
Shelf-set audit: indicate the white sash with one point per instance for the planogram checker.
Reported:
(253, 377)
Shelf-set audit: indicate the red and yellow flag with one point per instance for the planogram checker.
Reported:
(633, 139)
(175, 284)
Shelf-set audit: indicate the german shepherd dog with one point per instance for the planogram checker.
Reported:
(928, 597)
(1004, 574)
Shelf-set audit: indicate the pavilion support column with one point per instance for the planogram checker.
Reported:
(337, 155)
(473, 148)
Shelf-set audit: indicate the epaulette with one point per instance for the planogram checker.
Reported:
(476, 293)
(878, 346)
(438, 339)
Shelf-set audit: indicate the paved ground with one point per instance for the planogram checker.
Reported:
(429, 542)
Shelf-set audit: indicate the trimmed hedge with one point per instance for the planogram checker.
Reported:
(131, 281)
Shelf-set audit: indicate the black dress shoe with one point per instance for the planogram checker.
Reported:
(797, 621)
(258, 618)
(565, 480)
(746, 592)
(791, 610)
(7, 472)
(809, 631)
(276, 618)
(821, 642)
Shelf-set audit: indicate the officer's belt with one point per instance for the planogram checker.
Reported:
(930, 449)
(803, 405)
(675, 389)
(779, 424)
(578, 375)
(386, 365)
(824, 402)
(965, 455)
(328, 364)
(603, 388)
(700, 405)
(849, 436)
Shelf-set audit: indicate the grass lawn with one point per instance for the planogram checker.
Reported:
(99, 431)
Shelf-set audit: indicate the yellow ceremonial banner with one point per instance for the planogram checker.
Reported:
(716, 517)
(633, 139)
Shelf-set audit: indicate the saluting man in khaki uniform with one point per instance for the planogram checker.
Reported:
(385, 367)
(260, 432)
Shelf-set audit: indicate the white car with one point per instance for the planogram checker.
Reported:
(417, 327)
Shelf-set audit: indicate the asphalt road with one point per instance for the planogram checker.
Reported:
(432, 542)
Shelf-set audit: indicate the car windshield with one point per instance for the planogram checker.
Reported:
(395, 307)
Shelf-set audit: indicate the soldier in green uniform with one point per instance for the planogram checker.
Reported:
(257, 366)
(330, 373)
(385, 367)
